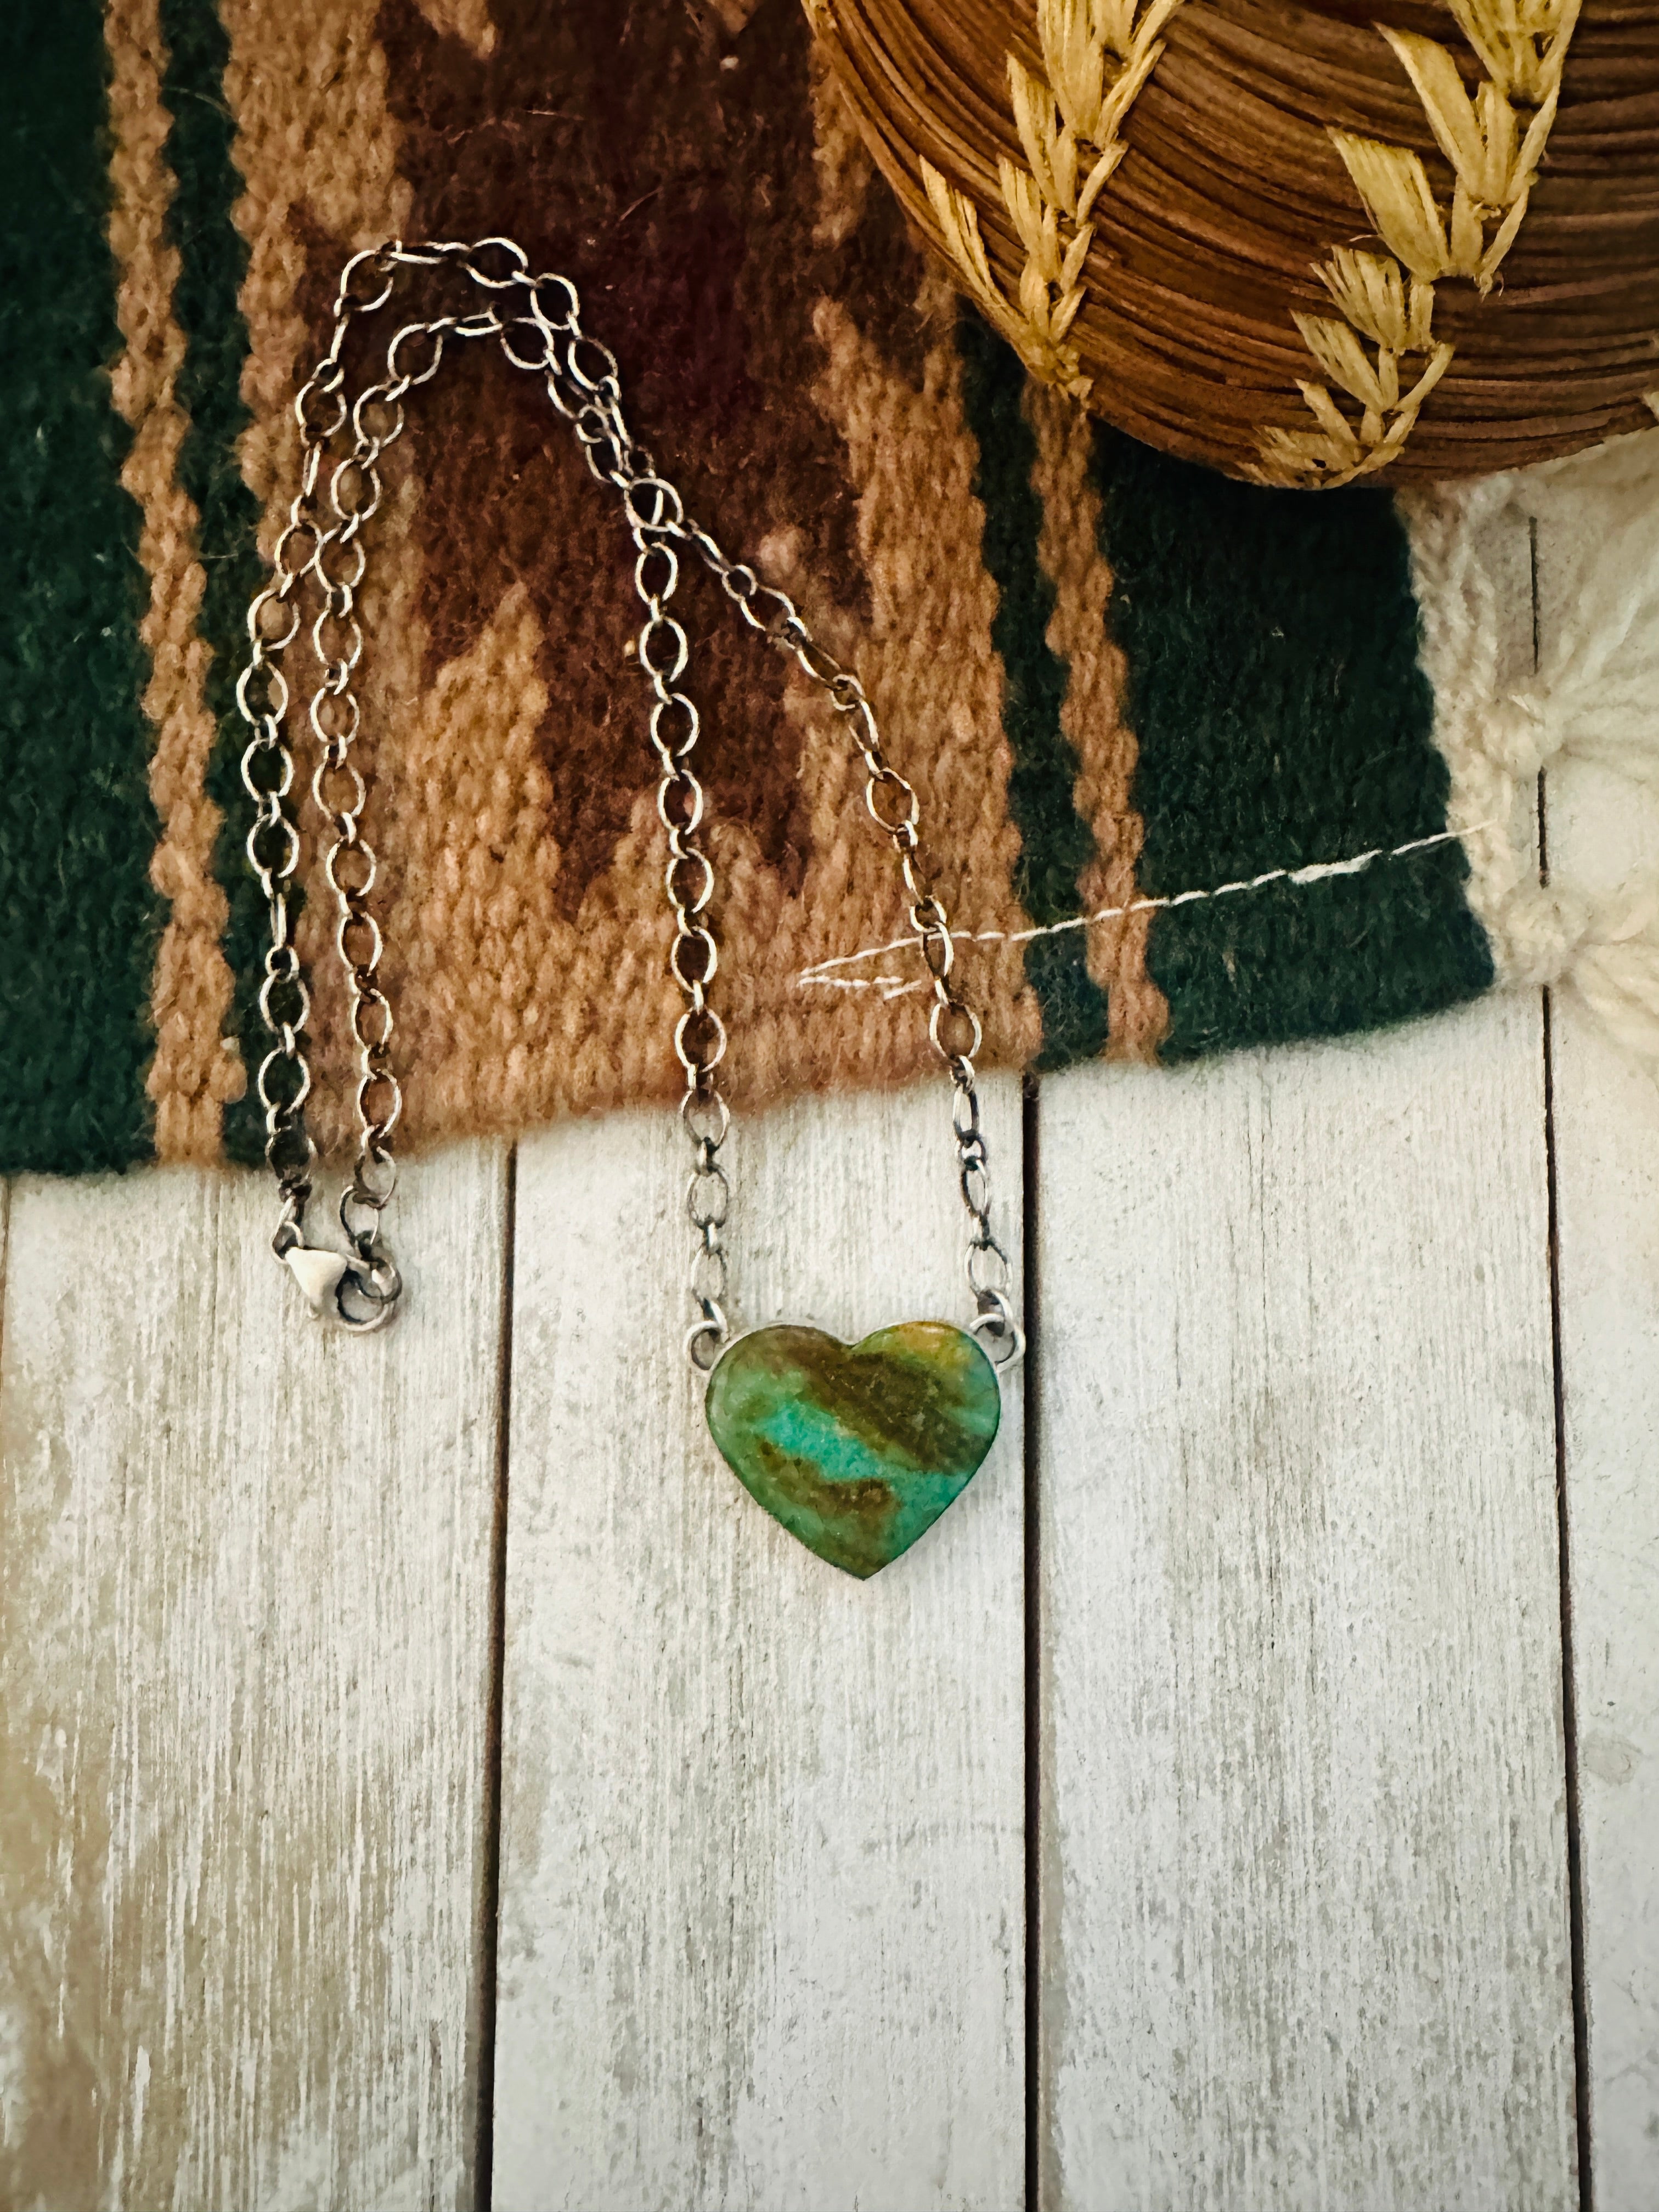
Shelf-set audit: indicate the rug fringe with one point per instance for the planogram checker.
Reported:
(1590, 700)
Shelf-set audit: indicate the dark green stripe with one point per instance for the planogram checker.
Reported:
(1282, 719)
(79, 922)
(212, 262)
(1056, 844)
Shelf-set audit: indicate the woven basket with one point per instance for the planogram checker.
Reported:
(1302, 244)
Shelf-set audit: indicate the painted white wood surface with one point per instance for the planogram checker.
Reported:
(1305, 1915)
(762, 1909)
(1603, 832)
(244, 1629)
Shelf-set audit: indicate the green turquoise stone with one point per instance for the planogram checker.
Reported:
(857, 1449)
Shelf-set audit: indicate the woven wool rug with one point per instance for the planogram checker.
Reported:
(1200, 765)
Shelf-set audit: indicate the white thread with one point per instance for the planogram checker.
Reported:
(895, 987)
(1592, 701)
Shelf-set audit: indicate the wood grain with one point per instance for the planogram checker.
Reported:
(761, 1918)
(1603, 830)
(1607, 1123)
(1305, 1918)
(245, 1614)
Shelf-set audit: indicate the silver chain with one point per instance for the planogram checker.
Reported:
(537, 322)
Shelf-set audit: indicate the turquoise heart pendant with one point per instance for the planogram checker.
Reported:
(857, 1449)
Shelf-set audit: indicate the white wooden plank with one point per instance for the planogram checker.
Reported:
(1304, 1918)
(245, 1623)
(1603, 830)
(761, 1881)
(1606, 1121)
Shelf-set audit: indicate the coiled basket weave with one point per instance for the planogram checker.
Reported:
(1302, 243)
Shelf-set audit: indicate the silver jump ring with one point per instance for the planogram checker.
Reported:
(1002, 1327)
(705, 1340)
(378, 1284)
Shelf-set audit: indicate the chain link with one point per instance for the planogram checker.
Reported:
(538, 321)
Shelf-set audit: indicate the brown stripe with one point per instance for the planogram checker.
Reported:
(196, 1069)
(513, 1007)
(1069, 548)
(318, 150)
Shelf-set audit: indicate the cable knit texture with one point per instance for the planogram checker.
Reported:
(1108, 677)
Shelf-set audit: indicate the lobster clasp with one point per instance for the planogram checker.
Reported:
(360, 1294)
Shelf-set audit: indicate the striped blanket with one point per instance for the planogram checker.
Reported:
(1175, 739)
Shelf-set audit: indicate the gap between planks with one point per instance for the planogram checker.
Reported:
(1031, 1230)
(245, 1594)
(763, 1871)
(1265, 1979)
(1603, 830)
(1581, 2062)
(490, 1898)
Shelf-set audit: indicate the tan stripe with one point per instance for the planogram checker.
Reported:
(478, 960)
(928, 663)
(936, 681)
(196, 1068)
(1069, 548)
(316, 149)
(845, 169)
(469, 20)
(509, 1013)
(400, 783)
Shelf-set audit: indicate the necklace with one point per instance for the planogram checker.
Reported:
(856, 1448)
